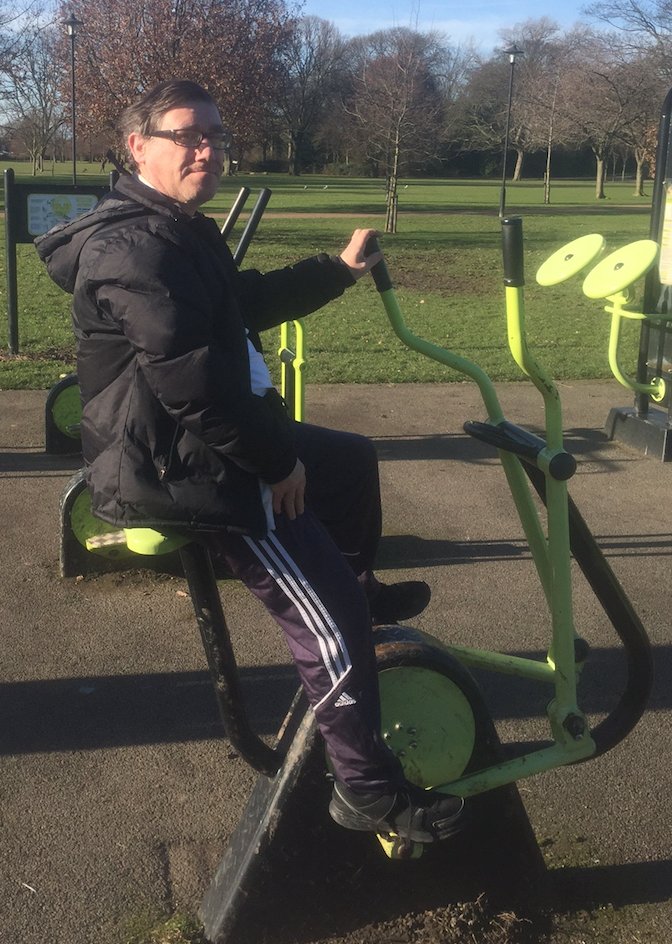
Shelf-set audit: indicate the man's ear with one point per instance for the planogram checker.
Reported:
(136, 147)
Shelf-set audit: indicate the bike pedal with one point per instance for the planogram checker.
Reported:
(398, 847)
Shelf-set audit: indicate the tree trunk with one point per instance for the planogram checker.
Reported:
(547, 176)
(518, 169)
(392, 196)
(599, 177)
(391, 204)
(295, 159)
(640, 167)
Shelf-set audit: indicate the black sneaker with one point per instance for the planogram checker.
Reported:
(398, 601)
(411, 813)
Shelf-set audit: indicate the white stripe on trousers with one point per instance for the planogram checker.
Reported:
(295, 585)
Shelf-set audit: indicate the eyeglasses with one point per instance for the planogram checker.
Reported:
(193, 138)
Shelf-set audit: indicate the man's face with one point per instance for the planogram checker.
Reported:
(188, 175)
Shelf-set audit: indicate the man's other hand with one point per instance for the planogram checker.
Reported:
(288, 493)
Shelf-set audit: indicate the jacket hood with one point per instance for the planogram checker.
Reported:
(61, 247)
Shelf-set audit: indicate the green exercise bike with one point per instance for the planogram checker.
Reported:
(434, 717)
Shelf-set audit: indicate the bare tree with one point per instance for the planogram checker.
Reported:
(30, 88)
(535, 121)
(645, 31)
(313, 67)
(610, 97)
(537, 116)
(483, 107)
(230, 46)
(645, 26)
(485, 111)
(397, 102)
(17, 26)
(642, 89)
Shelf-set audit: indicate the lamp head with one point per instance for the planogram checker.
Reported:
(513, 53)
(72, 24)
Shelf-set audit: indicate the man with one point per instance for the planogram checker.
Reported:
(181, 426)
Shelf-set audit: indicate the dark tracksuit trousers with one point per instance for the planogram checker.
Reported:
(312, 575)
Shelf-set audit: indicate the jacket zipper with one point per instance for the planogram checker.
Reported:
(163, 471)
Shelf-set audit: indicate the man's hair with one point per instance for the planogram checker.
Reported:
(145, 114)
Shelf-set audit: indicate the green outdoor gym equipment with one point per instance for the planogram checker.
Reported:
(613, 279)
(543, 465)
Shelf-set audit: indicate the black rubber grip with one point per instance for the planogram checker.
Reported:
(524, 444)
(512, 251)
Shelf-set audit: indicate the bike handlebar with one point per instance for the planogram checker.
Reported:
(234, 212)
(251, 225)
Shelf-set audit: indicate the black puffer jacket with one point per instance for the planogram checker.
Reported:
(171, 432)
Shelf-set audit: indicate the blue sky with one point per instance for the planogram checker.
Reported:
(478, 20)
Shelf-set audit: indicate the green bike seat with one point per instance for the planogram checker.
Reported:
(621, 269)
(148, 541)
(570, 259)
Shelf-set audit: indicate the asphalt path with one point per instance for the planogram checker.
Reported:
(118, 791)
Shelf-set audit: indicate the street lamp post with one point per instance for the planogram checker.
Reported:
(513, 53)
(72, 24)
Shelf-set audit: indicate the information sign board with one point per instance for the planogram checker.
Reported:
(32, 209)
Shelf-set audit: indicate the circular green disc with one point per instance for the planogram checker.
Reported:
(67, 411)
(621, 269)
(570, 259)
(427, 722)
(85, 525)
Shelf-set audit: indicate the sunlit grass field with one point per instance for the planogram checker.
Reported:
(445, 261)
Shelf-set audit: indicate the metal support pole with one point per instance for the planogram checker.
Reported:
(71, 24)
(74, 131)
(10, 262)
(512, 53)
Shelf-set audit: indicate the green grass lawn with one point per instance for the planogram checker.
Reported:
(445, 261)
(313, 193)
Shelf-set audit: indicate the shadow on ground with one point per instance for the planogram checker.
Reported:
(489, 885)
